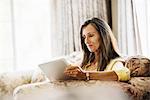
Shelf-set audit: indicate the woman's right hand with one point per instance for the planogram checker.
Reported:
(75, 71)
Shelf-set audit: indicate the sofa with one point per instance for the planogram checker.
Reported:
(34, 85)
(11, 80)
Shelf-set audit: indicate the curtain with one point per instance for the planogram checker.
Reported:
(133, 25)
(68, 15)
(34, 31)
(24, 34)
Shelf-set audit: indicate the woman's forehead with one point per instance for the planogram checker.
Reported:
(89, 29)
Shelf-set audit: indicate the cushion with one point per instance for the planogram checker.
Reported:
(138, 65)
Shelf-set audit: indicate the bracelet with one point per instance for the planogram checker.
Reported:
(87, 76)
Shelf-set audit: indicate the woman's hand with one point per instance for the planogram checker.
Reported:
(75, 72)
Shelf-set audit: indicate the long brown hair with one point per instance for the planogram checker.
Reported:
(106, 48)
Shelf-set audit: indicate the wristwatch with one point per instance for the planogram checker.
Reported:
(87, 76)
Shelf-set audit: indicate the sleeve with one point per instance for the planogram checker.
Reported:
(122, 72)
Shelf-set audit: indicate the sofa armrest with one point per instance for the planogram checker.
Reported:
(65, 91)
(36, 91)
(142, 83)
(9, 81)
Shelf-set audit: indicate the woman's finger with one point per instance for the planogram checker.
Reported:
(72, 73)
(71, 67)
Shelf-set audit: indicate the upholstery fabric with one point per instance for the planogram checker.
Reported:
(34, 84)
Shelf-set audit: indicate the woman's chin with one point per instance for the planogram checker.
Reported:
(91, 50)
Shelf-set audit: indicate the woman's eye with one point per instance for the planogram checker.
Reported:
(91, 35)
(88, 36)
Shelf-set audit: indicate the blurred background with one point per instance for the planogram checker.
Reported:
(36, 31)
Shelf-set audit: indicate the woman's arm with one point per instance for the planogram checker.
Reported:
(116, 72)
(78, 73)
(102, 75)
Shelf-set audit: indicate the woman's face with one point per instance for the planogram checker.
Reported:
(91, 38)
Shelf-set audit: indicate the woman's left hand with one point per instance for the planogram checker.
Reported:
(75, 72)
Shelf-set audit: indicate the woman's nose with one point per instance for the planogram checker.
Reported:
(86, 40)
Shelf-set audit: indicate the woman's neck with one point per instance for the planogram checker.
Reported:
(96, 56)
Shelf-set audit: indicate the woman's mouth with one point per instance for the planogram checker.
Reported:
(90, 46)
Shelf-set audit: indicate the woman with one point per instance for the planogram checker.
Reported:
(101, 60)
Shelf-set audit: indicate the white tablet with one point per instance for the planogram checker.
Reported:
(54, 69)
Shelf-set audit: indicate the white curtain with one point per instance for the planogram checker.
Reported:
(133, 27)
(24, 34)
(67, 17)
(34, 31)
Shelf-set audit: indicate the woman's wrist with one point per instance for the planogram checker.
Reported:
(87, 76)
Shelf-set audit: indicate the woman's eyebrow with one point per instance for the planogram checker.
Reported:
(83, 35)
(89, 33)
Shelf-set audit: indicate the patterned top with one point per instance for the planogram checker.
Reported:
(90, 67)
(116, 65)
